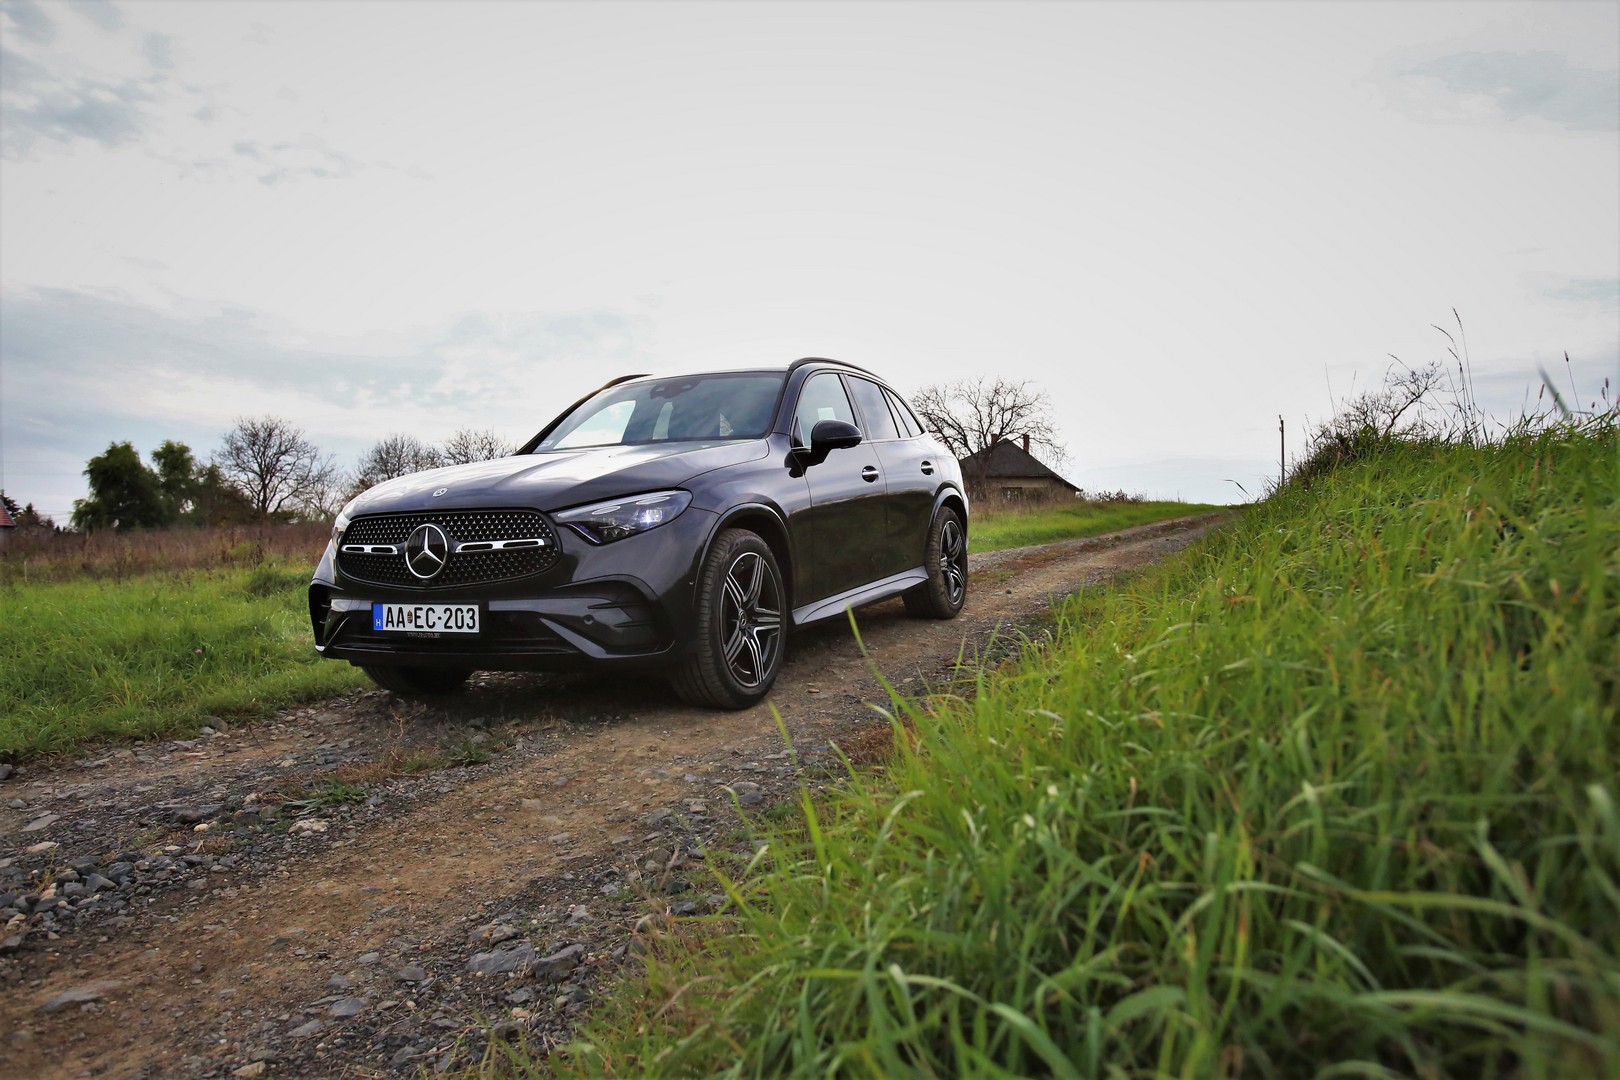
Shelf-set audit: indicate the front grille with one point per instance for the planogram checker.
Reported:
(461, 567)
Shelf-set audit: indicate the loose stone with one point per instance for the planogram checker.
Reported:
(502, 961)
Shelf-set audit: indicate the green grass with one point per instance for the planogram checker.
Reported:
(100, 642)
(994, 528)
(1332, 795)
(84, 660)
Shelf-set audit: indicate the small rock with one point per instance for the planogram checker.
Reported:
(304, 826)
(191, 815)
(560, 962)
(492, 934)
(81, 995)
(5, 772)
(684, 907)
(521, 996)
(501, 961)
(251, 1069)
(39, 824)
(371, 958)
(347, 1007)
(96, 883)
(412, 973)
(303, 1031)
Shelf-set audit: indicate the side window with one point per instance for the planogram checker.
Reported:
(876, 423)
(822, 398)
(909, 427)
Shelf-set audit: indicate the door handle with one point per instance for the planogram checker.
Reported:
(870, 474)
(928, 468)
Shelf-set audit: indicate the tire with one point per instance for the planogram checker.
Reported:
(945, 591)
(412, 681)
(740, 630)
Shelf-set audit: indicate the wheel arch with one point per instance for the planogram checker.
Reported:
(955, 500)
(765, 522)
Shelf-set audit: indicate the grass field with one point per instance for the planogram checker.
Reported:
(995, 527)
(138, 635)
(155, 654)
(1333, 795)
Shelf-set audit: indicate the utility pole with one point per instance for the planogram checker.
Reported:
(1282, 453)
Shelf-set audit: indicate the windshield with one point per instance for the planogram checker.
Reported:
(703, 408)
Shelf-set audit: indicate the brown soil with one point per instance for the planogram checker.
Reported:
(213, 976)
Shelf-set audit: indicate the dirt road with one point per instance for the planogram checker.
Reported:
(306, 897)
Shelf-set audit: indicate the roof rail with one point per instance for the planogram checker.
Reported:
(826, 360)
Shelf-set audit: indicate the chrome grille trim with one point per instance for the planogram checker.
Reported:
(485, 546)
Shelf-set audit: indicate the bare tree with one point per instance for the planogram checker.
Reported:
(468, 445)
(397, 455)
(973, 414)
(323, 501)
(271, 464)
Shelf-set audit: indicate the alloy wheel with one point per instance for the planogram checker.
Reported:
(953, 560)
(751, 620)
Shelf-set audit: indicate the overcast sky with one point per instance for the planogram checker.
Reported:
(1180, 219)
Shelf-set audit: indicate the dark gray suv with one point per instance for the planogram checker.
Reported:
(680, 522)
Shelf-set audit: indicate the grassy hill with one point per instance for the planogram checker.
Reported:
(1332, 795)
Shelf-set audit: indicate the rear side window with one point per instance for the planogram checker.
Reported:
(822, 398)
(876, 423)
(909, 427)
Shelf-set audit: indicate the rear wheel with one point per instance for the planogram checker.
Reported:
(945, 558)
(413, 681)
(740, 628)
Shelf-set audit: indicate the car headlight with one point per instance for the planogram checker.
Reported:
(603, 523)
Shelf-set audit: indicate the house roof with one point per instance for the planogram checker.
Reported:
(1006, 460)
(5, 518)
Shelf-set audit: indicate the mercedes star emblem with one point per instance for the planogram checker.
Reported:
(426, 551)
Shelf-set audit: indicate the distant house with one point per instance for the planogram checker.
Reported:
(1006, 472)
(8, 525)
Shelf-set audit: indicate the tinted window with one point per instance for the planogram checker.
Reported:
(904, 416)
(822, 398)
(703, 408)
(876, 423)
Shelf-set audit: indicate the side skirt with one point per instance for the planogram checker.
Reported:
(866, 594)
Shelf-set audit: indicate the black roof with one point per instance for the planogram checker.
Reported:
(1007, 460)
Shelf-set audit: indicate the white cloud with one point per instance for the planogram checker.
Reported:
(1513, 86)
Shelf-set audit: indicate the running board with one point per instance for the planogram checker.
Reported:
(866, 594)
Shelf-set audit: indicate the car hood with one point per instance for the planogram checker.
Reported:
(556, 479)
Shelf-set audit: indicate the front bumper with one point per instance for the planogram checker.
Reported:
(623, 603)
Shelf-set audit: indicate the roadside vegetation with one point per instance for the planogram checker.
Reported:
(995, 527)
(152, 633)
(1332, 795)
(155, 654)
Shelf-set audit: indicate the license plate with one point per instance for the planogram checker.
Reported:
(425, 618)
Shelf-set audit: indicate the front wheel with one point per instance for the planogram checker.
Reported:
(409, 680)
(945, 591)
(740, 631)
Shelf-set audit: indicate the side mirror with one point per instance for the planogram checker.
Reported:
(827, 436)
